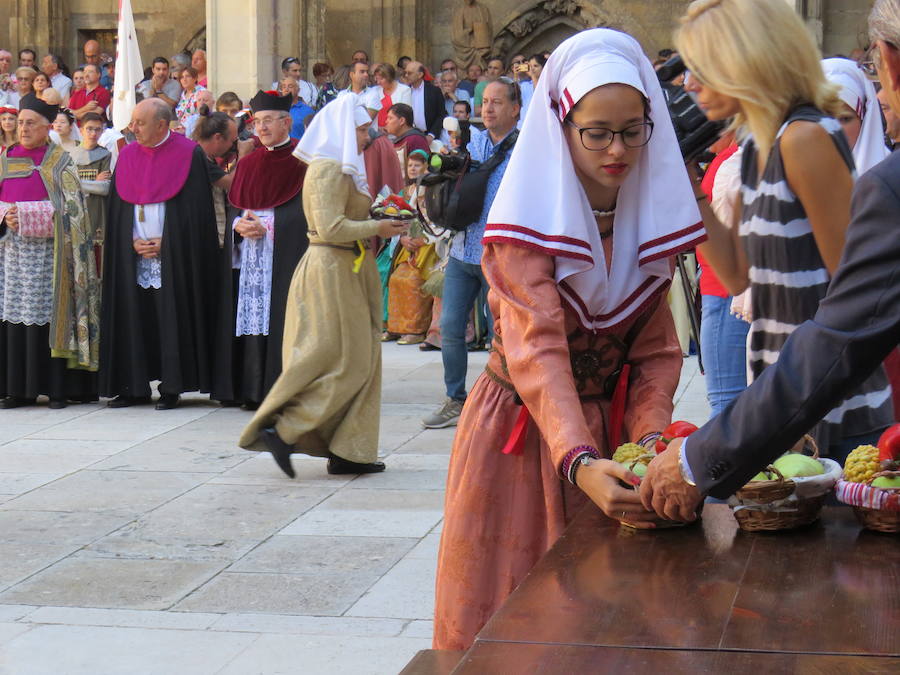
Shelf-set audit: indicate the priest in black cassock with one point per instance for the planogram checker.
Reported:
(264, 240)
(158, 314)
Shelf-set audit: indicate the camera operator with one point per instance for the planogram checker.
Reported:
(463, 278)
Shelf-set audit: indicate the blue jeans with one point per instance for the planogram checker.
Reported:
(723, 343)
(462, 284)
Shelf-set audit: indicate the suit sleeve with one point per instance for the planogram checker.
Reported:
(856, 327)
(437, 111)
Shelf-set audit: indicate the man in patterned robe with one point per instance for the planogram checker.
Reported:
(49, 290)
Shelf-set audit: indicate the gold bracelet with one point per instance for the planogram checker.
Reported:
(684, 475)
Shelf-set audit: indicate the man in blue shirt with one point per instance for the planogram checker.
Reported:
(299, 110)
(463, 278)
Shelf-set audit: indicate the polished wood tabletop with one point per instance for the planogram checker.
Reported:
(831, 589)
(540, 659)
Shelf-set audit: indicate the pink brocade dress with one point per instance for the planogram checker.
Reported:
(504, 511)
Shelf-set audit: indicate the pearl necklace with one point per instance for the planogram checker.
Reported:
(603, 214)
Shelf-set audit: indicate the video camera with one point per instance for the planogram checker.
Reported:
(694, 131)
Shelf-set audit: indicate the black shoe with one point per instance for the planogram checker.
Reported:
(90, 398)
(230, 403)
(11, 402)
(122, 401)
(56, 404)
(280, 450)
(428, 347)
(338, 465)
(168, 402)
(250, 405)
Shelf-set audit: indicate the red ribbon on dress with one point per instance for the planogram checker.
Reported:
(617, 409)
(515, 444)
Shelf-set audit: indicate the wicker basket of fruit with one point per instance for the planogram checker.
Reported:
(871, 483)
(635, 458)
(391, 207)
(787, 494)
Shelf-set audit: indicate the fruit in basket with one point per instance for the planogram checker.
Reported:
(862, 464)
(391, 211)
(763, 475)
(639, 469)
(679, 429)
(795, 465)
(886, 482)
(628, 452)
(889, 447)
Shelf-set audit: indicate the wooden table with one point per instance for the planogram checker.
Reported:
(705, 598)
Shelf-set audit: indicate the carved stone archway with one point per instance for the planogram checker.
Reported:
(543, 25)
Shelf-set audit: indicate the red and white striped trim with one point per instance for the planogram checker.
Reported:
(565, 104)
(672, 243)
(633, 306)
(553, 245)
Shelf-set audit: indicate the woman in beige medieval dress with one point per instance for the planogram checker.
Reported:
(327, 401)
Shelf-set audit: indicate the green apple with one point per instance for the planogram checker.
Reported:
(794, 465)
(640, 469)
(887, 482)
(762, 475)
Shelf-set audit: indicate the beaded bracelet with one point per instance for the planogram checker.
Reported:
(646, 438)
(573, 458)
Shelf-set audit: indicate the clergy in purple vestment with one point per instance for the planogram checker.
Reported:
(159, 268)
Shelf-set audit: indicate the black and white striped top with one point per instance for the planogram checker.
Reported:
(788, 277)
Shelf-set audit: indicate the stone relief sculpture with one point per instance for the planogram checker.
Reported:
(472, 34)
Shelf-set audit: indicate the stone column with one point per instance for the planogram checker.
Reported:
(247, 39)
(398, 29)
(38, 24)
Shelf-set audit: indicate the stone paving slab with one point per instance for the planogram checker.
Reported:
(314, 555)
(312, 625)
(113, 492)
(122, 618)
(280, 655)
(373, 513)
(112, 583)
(56, 527)
(406, 591)
(19, 561)
(92, 650)
(320, 594)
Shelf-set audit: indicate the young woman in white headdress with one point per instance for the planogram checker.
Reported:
(578, 250)
(860, 117)
(327, 401)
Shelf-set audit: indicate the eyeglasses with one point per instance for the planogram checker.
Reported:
(597, 139)
(871, 65)
(269, 121)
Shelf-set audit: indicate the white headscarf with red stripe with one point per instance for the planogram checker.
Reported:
(541, 204)
(858, 92)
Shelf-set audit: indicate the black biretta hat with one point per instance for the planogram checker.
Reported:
(270, 100)
(32, 102)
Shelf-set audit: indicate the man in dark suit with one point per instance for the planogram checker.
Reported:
(427, 101)
(856, 327)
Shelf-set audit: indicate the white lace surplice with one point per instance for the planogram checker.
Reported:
(255, 289)
(149, 270)
(26, 265)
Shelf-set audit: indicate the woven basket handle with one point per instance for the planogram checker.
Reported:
(811, 442)
(771, 469)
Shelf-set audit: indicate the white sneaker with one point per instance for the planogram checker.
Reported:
(445, 416)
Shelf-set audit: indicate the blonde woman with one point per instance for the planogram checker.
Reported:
(754, 62)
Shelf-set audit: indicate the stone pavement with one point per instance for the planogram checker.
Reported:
(137, 541)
